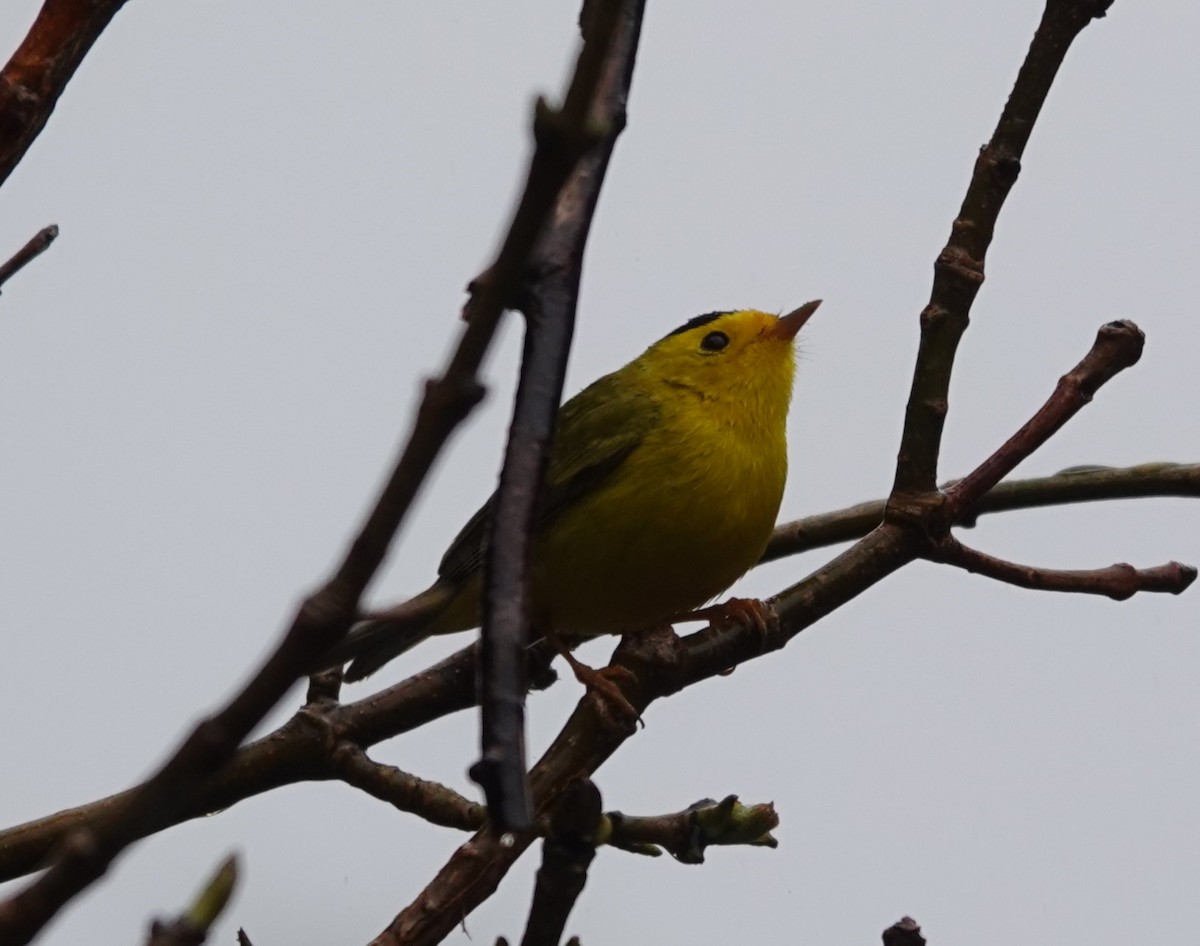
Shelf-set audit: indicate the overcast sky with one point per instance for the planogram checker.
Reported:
(268, 213)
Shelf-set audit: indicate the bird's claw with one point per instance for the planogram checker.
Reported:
(750, 614)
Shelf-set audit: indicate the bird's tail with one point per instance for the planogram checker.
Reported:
(372, 643)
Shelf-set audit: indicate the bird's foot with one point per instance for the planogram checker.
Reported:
(750, 614)
(601, 683)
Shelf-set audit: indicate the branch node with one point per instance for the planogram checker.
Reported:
(904, 932)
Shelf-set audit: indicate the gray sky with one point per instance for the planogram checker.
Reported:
(268, 213)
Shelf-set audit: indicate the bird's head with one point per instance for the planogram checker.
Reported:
(745, 356)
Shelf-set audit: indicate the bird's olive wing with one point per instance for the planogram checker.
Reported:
(597, 431)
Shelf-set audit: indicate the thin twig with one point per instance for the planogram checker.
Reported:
(37, 245)
(1076, 485)
(1118, 346)
(436, 803)
(685, 834)
(585, 126)
(959, 270)
(1118, 581)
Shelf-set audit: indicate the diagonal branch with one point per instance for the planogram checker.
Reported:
(1118, 581)
(959, 269)
(1118, 346)
(324, 616)
(38, 72)
(1076, 485)
(37, 245)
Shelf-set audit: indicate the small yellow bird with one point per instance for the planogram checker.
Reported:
(662, 490)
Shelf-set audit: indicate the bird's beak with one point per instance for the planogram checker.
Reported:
(788, 325)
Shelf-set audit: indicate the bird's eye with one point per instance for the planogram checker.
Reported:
(714, 341)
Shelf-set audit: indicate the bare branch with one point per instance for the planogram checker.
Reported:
(959, 270)
(473, 872)
(324, 616)
(297, 751)
(685, 834)
(1118, 346)
(436, 803)
(37, 245)
(1118, 581)
(1076, 485)
(38, 72)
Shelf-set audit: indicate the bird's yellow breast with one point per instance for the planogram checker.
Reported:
(664, 483)
(689, 512)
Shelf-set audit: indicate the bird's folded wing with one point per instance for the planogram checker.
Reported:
(598, 430)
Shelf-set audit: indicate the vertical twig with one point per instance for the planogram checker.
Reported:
(959, 269)
(567, 853)
(610, 45)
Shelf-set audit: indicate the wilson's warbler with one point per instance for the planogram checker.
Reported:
(662, 490)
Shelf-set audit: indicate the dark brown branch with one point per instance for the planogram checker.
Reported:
(473, 872)
(38, 72)
(37, 245)
(1118, 581)
(567, 853)
(324, 617)
(436, 803)
(587, 121)
(191, 928)
(1076, 485)
(297, 751)
(685, 834)
(959, 270)
(904, 932)
(1118, 346)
